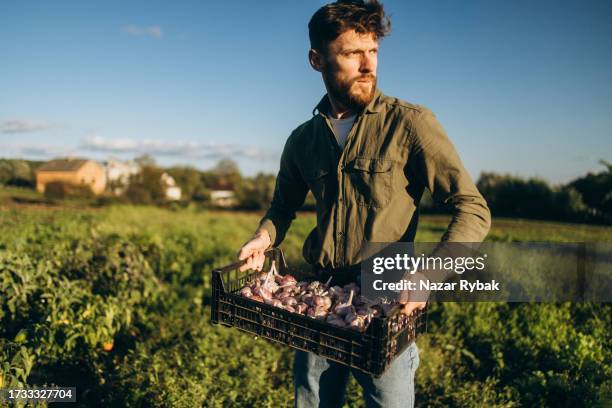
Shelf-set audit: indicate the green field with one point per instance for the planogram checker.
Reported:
(115, 301)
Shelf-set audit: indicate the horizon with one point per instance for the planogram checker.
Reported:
(211, 167)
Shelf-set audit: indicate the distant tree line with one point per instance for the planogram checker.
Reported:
(585, 199)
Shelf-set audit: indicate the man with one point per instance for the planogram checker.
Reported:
(367, 159)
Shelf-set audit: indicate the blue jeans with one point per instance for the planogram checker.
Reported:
(322, 383)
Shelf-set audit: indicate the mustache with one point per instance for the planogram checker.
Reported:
(371, 77)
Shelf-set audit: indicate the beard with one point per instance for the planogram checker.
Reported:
(345, 93)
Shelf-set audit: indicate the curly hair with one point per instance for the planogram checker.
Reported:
(333, 19)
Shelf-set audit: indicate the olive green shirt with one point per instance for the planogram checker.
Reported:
(370, 190)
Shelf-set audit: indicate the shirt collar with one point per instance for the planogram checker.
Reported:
(323, 107)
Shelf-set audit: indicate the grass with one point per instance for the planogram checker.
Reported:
(166, 353)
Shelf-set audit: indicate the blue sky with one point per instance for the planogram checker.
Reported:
(522, 87)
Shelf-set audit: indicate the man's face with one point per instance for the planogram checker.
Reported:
(349, 70)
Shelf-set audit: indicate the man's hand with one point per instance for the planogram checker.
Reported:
(253, 251)
(409, 307)
(414, 299)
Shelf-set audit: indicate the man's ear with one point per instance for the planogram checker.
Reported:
(317, 62)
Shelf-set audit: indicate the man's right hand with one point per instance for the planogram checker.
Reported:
(253, 251)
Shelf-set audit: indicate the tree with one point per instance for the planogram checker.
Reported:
(146, 187)
(512, 196)
(226, 172)
(226, 167)
(6, 171)
(568, 202)
(145, 160)
(16, 172)
(596, 189)
(189, 180)
(256, 193)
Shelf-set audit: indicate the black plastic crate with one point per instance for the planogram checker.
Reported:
(371, 351)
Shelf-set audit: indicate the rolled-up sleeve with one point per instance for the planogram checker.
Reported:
(289, 195)
(435, 162)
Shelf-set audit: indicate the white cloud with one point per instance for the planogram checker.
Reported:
(23, 126)
(187, 149)
(38, 151)
(45, 151)
(143, 31)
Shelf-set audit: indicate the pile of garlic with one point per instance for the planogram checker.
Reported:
(340, 306)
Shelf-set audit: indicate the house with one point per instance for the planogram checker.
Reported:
(118, 174)
(223, 195)
(173, 192)
(72, 171)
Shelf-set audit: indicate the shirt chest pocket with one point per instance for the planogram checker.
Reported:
(371, 181)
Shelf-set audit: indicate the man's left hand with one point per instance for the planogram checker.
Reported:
(409, 307)
(414, 299)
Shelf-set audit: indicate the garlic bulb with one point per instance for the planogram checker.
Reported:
(322, 301)
(343, 308)
(263, 292)
(336, 292)
(289, 301)
(287, 280)
(317, 313)
(274, 302)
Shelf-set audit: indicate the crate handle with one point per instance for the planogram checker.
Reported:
(269, 252)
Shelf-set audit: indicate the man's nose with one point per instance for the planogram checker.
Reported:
(368, 63)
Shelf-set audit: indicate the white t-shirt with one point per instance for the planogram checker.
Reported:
(342, 127)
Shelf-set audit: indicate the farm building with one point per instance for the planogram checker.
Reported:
(118, 174)
(173, 192)
(72, 171)
(223, 195)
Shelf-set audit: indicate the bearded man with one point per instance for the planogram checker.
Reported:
(367, 159)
